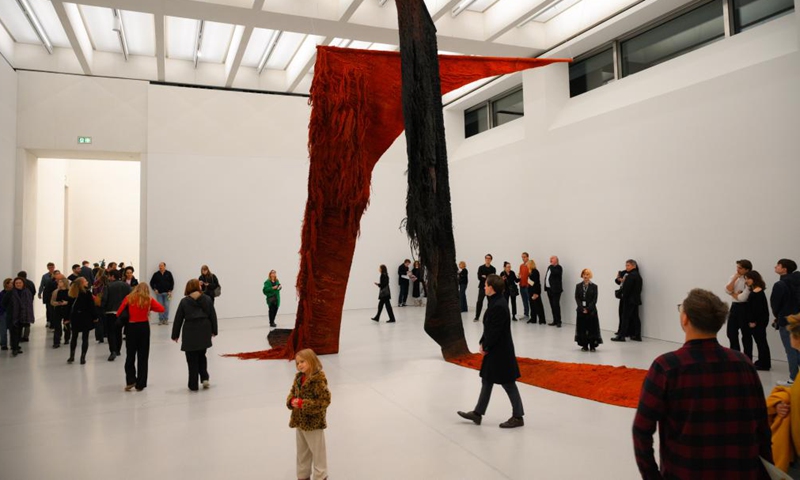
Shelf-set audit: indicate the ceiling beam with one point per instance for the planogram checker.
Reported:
(161, 51)
(296, 23)
(447, 8)
(83, 56)
(518, 17)
(236, 62)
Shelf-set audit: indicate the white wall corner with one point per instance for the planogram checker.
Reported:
(546, 91)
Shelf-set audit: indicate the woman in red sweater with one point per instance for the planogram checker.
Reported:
(137, 335)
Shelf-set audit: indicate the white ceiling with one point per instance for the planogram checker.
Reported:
(162, 35)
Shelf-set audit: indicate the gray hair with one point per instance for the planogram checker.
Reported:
(632, 262)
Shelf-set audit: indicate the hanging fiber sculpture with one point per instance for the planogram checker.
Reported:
(356, 115)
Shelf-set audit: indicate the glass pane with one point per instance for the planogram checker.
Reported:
(475, 121)
(749, 13)
(508, 108)
(680, 35)
(591, 73)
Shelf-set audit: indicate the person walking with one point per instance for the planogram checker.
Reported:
(499, 364)
(82, 318)
(587, 325)
(138, 304)
(272, 289)
(198, 320)
(116, 291)
(384, 295)
(162, 284)
(46, 280)
(309, 398)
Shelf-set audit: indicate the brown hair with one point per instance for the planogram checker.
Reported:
(758, 281)
(705, 311)
(140, 296)
(497, 283)
(192, 286)
(77, 287)
(311, 358)
(8, 281)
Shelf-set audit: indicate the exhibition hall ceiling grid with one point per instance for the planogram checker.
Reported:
(265, 45)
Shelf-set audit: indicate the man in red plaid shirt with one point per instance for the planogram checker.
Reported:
(707, 402)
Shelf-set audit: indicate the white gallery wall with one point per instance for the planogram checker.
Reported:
(8, 155)
(685, 167)
(51, 217)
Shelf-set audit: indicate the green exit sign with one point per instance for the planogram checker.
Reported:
(84, 140)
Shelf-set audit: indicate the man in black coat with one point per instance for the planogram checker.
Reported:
(499, 359)
(631, 299)
(483, 273)
(115, 293)
(402, 273)
(552, 285)
(784, 301)
(86, 272)
(26, 330)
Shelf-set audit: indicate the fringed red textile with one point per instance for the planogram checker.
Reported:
(356, 116)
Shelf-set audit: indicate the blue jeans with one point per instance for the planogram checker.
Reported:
(163, 299)
(3, 331)
(792, 355)
(526, 300)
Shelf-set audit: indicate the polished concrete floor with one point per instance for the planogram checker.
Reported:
(392, 415)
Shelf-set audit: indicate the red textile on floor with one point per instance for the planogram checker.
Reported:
(356, 116)
(602, 383)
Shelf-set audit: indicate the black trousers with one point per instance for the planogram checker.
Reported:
(462, 296)
(73, 344)
(114, 333)
(15, 332)
(388, 303)
(479, 305)
(513, 300)
(100, 329)
(137, 349)
(26, 331)
(537, 310)
(55, 324)
(273, 312)
(631, 324)
(760, 336)
(401, 300)
(511, 391)
(737, 321)
(555, 306)
(198, 367)
(50, 314)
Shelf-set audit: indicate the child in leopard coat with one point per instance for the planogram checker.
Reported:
(308, 400)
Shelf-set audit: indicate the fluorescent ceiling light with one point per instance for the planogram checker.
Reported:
(276, 35)
(462, 5)
(119, 27)
(198, 44)
(550, 12)
(381, 3)
(36, 24)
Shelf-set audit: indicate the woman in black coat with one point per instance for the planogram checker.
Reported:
(19, 312)
(535, 291)
(758, 317)
(384, 295)
(197, 317)
(82, 317)
(499, 360)
(208, 282)
(463, 281)
(587, 330)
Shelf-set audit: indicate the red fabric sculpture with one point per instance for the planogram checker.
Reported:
(356, 116)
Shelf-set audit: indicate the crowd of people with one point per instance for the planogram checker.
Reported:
(110, 300)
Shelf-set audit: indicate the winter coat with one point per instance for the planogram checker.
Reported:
(83, 313)
(272, 294)
(19, 307)
(315, 398)
(500, 362)
(116, 292)
(198, 318)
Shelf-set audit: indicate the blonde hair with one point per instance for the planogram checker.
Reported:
(794, 325)
(311, 359)
(140, 296)
(531, 264)
(77, 287)
(462, 264)
(585, 271)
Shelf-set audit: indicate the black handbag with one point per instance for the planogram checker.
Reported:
(618, 293)
(124, 317)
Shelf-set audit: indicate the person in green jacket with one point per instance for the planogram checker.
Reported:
(272, 289)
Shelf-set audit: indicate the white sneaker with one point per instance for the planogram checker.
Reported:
(206, 384)
(784, 383)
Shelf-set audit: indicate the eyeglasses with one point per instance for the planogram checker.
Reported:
(679, 307)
